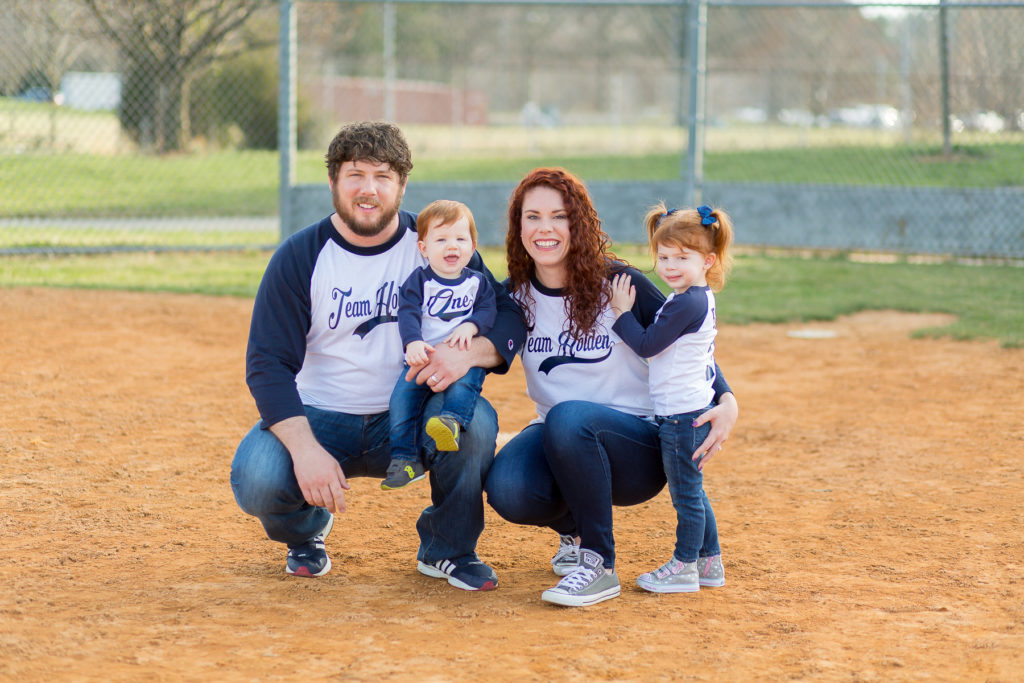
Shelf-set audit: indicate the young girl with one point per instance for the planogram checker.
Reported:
(691, 249)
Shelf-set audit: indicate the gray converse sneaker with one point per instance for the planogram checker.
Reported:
(712, 573)
(568, 556)
(672, 577)
(588, 584)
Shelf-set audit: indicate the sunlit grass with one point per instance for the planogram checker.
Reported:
(986, 299)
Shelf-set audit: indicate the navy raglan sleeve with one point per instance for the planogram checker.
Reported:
(277, 332)
(678, 317)
(410, 308)
(485, 307)
(648, 300)
(509, 332)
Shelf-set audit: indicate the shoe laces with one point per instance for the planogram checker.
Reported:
(579, 579)
(567, 548)
(310, 547)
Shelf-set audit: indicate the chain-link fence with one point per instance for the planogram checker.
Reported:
(148, 124)
(840, 125)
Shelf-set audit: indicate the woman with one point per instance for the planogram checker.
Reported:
(594, 443)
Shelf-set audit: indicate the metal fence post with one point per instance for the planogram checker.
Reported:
(696, 39)
(947, 144)
(286, 108)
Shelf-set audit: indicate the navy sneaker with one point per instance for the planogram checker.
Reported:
(467, 573)
(402, 473)
(310, 559)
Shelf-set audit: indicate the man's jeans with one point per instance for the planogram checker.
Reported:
(264, 484)
(408, 399)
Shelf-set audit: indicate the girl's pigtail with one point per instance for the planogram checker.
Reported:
(651, 221)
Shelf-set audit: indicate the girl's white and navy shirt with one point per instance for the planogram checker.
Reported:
(600, 367)
(430, 307)
(680, 344)
(324, 329)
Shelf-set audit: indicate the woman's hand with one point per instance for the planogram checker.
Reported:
(723, 418)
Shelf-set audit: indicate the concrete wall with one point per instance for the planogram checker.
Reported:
(964, 222)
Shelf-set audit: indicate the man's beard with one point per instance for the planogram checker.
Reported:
(361, 229)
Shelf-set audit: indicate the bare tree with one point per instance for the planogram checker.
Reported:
(166, 44)
(48, 37)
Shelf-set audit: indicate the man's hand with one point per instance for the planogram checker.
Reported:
(723, 418)
(448, 364)
(319, 475)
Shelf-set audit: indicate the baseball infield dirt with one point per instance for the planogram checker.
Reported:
(870, 504)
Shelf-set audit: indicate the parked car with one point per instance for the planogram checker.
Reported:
(866, 116)
(986, 122)
(796, 117)
(34, 94)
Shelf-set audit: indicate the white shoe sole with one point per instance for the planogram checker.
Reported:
(566, 600)
(712, 583)
(655, 588)
(435, 573)
(563, 571)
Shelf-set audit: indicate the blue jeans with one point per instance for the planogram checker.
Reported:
(264, 484)
(406, 408)
(568, 473)
(696, 531)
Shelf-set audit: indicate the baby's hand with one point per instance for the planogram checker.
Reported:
(623, 294)
(416, 353)
(462, 335)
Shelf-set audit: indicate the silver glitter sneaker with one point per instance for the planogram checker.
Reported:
(712, 573)
(568, 556)
(589, 584)
(672, 577)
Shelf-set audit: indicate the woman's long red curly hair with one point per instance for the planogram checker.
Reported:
(588, 260)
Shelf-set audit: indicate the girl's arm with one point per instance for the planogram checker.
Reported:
(682, 315)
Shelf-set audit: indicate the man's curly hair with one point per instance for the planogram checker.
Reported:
(375, 141)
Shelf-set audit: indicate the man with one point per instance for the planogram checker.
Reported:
(324, 354)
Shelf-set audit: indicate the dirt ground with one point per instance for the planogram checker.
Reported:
(870, 503)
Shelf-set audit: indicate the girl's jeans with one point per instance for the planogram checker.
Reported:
(696, 531)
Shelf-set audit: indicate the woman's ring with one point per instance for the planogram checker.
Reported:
(434, 379)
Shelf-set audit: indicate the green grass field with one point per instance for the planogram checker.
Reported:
(244, 183)
(762, 288)
(49, 170)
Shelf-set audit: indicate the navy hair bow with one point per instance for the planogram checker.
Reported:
(706, 218)
(666, 214)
